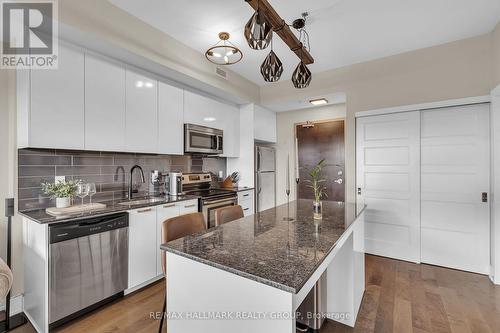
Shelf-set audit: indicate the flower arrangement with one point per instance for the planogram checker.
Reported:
(61, 191)
(319, 190)
(316, 182)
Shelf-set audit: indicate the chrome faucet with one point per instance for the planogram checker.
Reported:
(130, 191)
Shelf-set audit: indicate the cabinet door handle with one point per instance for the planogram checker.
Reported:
(144, 210)
(169, 206)
(190, 206)
(246, 209)
(246, 195)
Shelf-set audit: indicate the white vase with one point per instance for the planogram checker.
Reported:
(63, 202)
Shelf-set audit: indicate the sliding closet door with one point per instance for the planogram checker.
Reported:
(455, 173)
(388, 182)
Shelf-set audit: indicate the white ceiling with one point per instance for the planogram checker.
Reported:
(342, 32)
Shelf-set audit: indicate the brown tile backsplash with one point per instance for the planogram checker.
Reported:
(109, 171)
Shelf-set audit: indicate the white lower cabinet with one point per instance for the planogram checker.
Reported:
(144, 263)
(188, 207)
(142, 246)
(246, 201)
(163, 213)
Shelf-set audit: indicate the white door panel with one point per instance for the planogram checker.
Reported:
(455, 172)
(388, 181)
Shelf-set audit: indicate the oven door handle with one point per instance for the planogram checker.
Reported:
(208, 203)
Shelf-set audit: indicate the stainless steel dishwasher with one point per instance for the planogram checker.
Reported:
(88, 265)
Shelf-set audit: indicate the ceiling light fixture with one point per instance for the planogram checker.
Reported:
(319, 101)
(209, 119)
(302, 76)
(272, 68)
(258, 30)
(224, 52)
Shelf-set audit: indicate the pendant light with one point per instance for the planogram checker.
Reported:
(258, 31)
(224, 52)
(301, 77)
(272, 68)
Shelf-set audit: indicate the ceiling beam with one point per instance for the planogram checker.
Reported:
(283, 30)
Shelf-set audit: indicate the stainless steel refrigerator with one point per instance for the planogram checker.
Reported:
(265, 177)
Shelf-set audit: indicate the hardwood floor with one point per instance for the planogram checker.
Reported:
(400, 297)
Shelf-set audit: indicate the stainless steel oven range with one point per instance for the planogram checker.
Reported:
(211, 198)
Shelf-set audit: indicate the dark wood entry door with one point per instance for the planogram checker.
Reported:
(324, 140)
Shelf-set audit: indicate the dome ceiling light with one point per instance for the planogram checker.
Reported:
(224, 52)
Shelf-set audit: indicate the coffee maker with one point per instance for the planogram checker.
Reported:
(157, 183)
(173, 184)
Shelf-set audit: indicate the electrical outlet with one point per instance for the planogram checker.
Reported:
(61, 179)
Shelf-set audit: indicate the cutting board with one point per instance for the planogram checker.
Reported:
(75, 209)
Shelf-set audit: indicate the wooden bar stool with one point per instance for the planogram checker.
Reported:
(174, 228)
(228, 214)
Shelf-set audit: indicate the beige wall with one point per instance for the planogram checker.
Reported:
(285, 144)
(117, 27)
(8, 173)
(496, 53)
(455, 70)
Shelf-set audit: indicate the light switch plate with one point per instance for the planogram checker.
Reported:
(61, 179)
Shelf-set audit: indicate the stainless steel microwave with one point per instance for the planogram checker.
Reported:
(201, 139)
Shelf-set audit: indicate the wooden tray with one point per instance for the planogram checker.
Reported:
(74, 209)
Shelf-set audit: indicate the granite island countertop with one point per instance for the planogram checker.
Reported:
(40, 216)
(266, 248)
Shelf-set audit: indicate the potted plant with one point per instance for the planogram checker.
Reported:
(319, 190)
(61, 191)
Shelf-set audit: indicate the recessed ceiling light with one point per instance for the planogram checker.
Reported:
(139, 84)
(318, 101)
(149, 85)
(209, 119)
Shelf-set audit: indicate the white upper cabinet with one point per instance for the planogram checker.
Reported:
(56, 117)
(204, 111)
(141, 113)
(264, 124)
(104, 104)
(170, 119)
(231, 127)
(201, 110)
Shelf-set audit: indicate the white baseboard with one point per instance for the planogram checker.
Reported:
(142, 285)
(16, 305)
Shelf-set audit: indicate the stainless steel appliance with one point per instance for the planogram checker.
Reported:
(201, 139)
(173, 184)
(88, 265)
(265, 177)
(211, 198)
(157, 183)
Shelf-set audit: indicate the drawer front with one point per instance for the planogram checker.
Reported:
(187, 207)
(246, 201)
(245, 195)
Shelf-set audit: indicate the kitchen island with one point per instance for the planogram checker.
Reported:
(253, 273)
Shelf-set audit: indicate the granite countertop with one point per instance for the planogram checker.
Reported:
(40, 216)
(266, 248)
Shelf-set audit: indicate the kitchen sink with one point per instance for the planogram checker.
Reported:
(135, 202)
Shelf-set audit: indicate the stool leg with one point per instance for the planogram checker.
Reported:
(163, 314)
